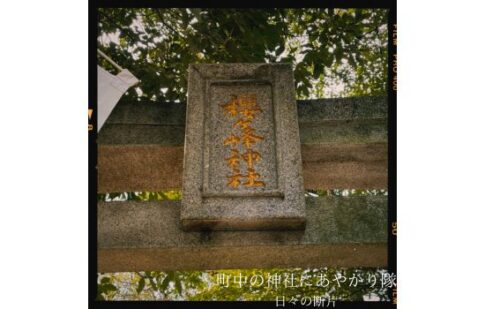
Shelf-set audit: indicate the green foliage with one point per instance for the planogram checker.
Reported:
(328, 48)
(299, 289)
(345, 192)
(202, 285)
(175, 195)
(142, 196)
(105, 288)
(207, 285)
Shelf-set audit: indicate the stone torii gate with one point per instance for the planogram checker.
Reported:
(253, 221)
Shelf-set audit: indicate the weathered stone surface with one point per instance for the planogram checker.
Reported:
(340, 231)
(142, 134)
(148, 113)
(350, 108)
(315, 110)
(128, 168)
(242, 161)
(237, 257)
(131, 168)
(356, 119)
(139, 150)
(338, 166)
(358, 131)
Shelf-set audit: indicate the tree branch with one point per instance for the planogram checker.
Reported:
(120, 27)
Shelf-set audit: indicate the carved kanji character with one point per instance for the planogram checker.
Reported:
(251, 156)
(250, 112)
(252, 181)
(233, 160)
(232, 140)
(243, 123)
(231, 107)
(249, 137)
(234, 180)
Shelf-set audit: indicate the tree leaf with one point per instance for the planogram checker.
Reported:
(141, 285)
(165, 282)
(109, 287)
(178, 285)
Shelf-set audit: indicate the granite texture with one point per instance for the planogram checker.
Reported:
(239, 257)
(358, 131)
(314, 110)
(342, 109)
(130, 167)
(344, 145)
(220, 126)
(340, 231)
(338, 166)
(330, 220)
(354, 119)
(275, 198)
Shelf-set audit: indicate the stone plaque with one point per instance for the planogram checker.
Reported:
(242, 161)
